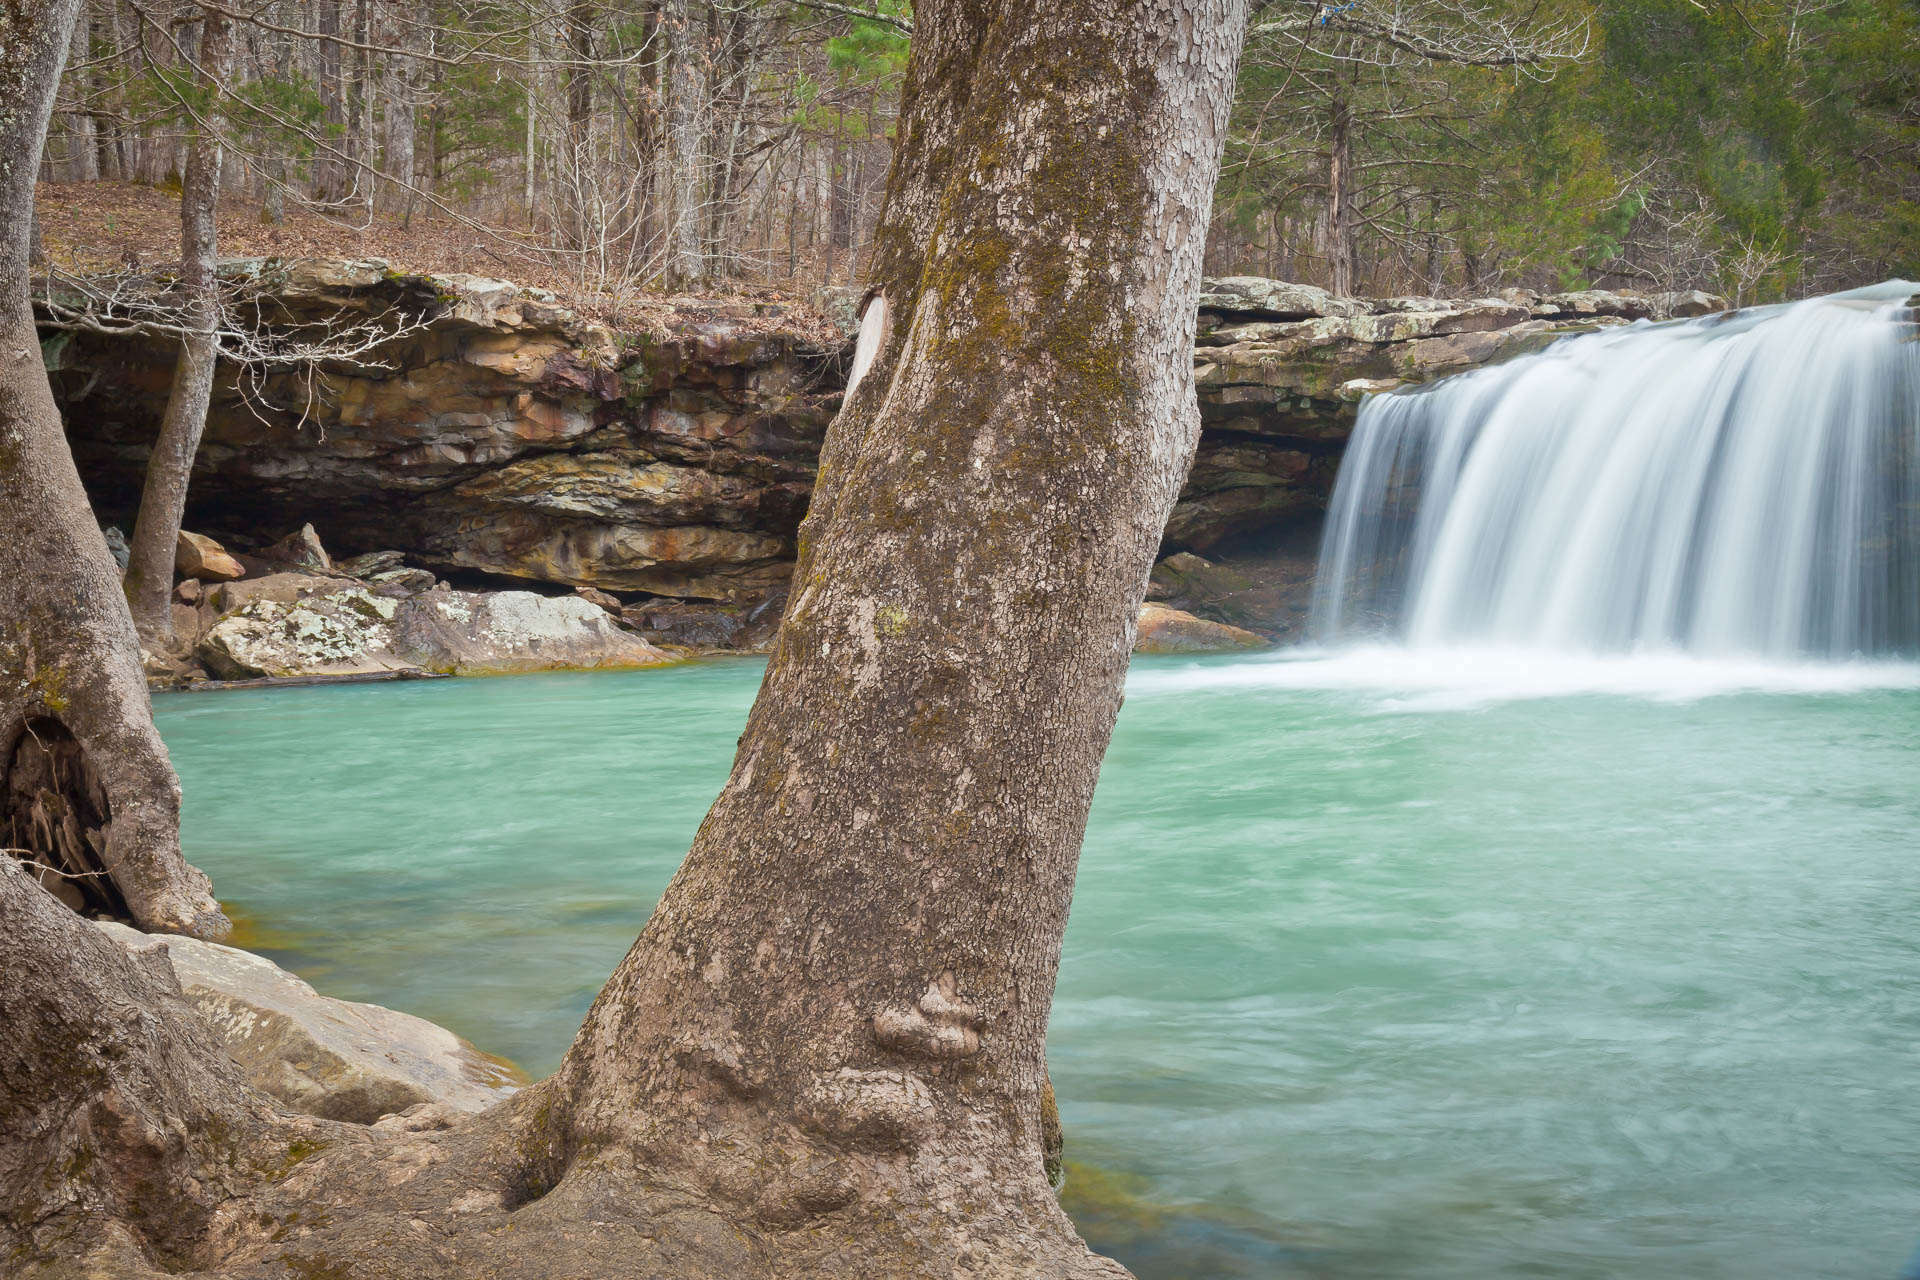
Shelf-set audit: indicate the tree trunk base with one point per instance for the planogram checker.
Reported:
(134, 1149)
(423, 1200)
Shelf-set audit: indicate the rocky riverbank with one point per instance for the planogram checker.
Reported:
(500, 437)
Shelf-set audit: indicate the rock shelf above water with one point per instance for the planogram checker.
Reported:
(503, 434)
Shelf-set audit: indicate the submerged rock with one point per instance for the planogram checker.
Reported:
(1164, 630)
(326, 1057)
(468, 633)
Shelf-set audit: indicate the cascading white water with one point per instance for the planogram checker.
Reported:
(1739, 485)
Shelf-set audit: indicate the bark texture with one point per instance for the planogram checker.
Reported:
(163, 501)
(86, 789)
(126, 1128)
(860, 1038)
(825, 1054)
(684, 182)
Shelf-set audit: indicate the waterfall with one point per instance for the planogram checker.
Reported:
(1737, 485)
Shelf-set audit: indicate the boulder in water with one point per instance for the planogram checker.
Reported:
(343, 633)
(326, 1057)
(1164, 630)
(469, 633)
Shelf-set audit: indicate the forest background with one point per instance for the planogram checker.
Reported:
(1763, 149)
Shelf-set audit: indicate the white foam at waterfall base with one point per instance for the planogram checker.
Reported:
(1742, 487)
(1446, 679)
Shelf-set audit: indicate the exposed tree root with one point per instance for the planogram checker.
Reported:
(58, 818)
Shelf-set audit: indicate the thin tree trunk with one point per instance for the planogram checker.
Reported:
(329, 170)
(684, 185)
(163, 500)
(1340, 229)
(648, 136)
(82, 148)
(530, 158)
(85, 786)
(579, 158)
(364, 149)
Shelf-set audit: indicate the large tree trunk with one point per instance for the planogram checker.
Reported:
(86, 792)
(123, 1126)
(163, 500)
(825, 1055)
(840, 1005)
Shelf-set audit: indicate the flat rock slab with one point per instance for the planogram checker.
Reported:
(326, 1057)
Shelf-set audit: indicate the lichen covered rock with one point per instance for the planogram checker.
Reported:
(346, 632)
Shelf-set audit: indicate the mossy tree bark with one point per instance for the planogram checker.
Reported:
(86, 791)
(163, 500)
(861, 1032)
(825, 1055)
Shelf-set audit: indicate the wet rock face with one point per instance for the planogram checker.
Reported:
(1165, 630)
(502, 434)
(1282, 369)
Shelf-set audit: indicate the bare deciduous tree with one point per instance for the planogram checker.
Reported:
(86, 791)
(163, 499)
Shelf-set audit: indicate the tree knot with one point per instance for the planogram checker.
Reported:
(940, 1026)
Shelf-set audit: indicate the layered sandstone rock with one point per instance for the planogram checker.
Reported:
(497, 432)
(501, 434)
(198, 556)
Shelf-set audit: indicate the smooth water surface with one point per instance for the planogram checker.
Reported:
(1378, 967)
